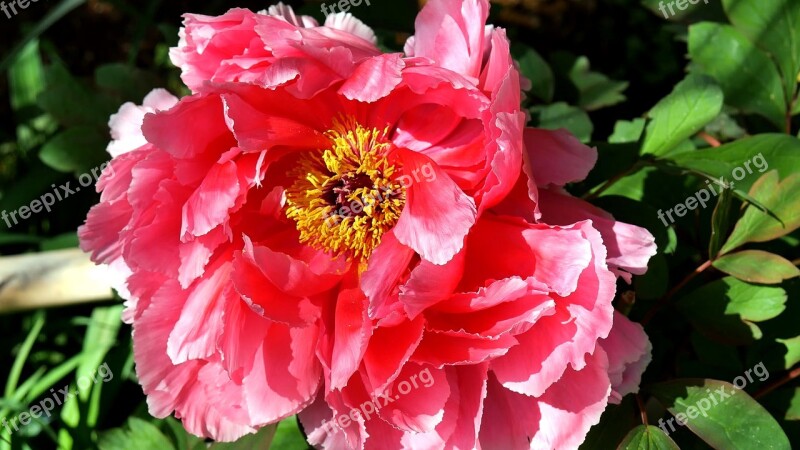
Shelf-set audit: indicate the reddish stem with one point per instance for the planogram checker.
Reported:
(712, 141)
(665, 299)
(785, 379)
(642, 409)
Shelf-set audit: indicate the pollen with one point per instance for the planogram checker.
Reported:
(347, 196)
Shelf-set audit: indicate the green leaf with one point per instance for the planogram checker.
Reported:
(26, 81)
(726, 309)
(792, 353)
(260, 440)
(561, 115)
(26, 77)
(288, 436)
(774, 27)
(749, 157)
(721, 415)
(720, 223)
(782, 198)
(647, 437)
(595, 89)
(71, 102)
(77, 150)
(52, 377)
(748, 77)
(131, 83)
(793, 413)
(138, 434)
(536, 69)
(693, 103)
(757, 266)
(23, 352)
(627, 131)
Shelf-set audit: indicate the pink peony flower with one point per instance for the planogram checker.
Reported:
(514, 343)
(305, 167)
(321, 224)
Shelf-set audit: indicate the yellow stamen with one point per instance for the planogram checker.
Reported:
(347, 196)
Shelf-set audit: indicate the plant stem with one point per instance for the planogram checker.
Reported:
(611, 181)
(785, 379)
(712, 141)
(666, 298)
(642, 409)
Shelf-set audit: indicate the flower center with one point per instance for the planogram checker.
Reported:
(347, 196)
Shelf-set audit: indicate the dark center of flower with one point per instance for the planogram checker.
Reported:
(347, 196)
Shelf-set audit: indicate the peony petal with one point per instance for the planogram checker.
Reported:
(388, 350)
(629, 353)
(509, 419)
(452, 348)
(257, 131)
(566, 337)
(536, 251)
(463, 412)
(374, 78)
(350, 24)
(629, 247)
(437, 215)
(209, 131)
(205, 305)
(210, 205)
(352, 333)
(266, 299)
(451, 33)
(410, 404)
(430, 284)
(573, 404)
(385, 266)
(557, 157)
(285, 376)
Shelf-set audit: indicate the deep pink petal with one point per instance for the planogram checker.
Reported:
(416, 406)
(352, 333)
(374, 78)
(285, 376)
(451, 33)
(205, 305)
(386, 265)
(388, 350)
(210, 205)
(437, 215)
(209, 131)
